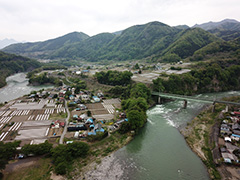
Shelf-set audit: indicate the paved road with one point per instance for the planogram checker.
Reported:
(66, 123)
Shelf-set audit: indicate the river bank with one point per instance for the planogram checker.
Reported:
(201, 134)
(18, 86)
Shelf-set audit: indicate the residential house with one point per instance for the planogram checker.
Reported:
(96, 99)
(83, 116)
(227, 139)
(236, 126)
(85, 97)
(77, 127)
(231, 147)
(235, 137)
(98, 128)
(89, 121)
(71, 97)
(236, 132)
(227, 157)
(225, 129)
(82, 106)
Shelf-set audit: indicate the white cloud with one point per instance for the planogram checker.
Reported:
(34, 20)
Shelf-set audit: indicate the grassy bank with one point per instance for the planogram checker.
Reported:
(32, 170)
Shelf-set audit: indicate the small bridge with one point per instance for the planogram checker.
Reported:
(190, 98)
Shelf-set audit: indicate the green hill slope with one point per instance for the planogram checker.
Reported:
(153, 40)
(189, 41)
(43, 49)
(83, 49)
(219, 50)
(139, 41)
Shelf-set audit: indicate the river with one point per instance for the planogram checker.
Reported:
(159, 151)
(17, 86)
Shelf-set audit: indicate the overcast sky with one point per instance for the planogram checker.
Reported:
(38, 20)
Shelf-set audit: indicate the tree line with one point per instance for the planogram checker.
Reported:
(212, 78)
(62, 155)
(114, 77)
(44, 78)
(136, 98)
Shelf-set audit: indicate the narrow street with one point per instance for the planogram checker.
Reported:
(66, 123)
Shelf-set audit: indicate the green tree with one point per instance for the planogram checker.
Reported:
(7, 150)
(136, 119)
(140, 90)
(78, 149)
(37, 149)
(136, 66)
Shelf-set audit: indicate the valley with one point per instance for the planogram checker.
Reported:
(85, 103)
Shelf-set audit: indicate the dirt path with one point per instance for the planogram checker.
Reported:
(20, 164)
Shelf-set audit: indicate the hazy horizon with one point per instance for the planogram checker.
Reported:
(37, 20)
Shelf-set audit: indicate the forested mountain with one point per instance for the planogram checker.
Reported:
(219, 50)
(138, 42)
(153, 40)
(189, 41)
(83, 49)
(43, 49)
(10, 64)
(227, 29)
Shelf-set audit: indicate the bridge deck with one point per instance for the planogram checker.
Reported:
(190, 98)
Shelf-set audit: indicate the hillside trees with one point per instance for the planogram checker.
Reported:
(140, 90)
(37, 149)
(44, 79)
(136, 107)
(114, 77)
(8, 150)
(63, 155)
(212, 78)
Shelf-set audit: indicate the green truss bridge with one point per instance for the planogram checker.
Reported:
(190, 98)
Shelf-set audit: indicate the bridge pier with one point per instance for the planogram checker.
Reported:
(213, 107)
(226, 108)
(159, 100)
(185, 104)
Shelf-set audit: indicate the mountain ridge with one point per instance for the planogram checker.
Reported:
(227, 29)
(153, 39)
(6, 42)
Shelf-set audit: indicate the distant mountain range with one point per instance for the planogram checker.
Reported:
(6, 42)
(154, 40)
(227, 29)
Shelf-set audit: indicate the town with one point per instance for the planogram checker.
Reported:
(42, 116)
(228, 142)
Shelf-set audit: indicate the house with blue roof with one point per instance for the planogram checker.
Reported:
(89, 121)
(75, 116)
(235, 137)
(98, 128)
(96, 99)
